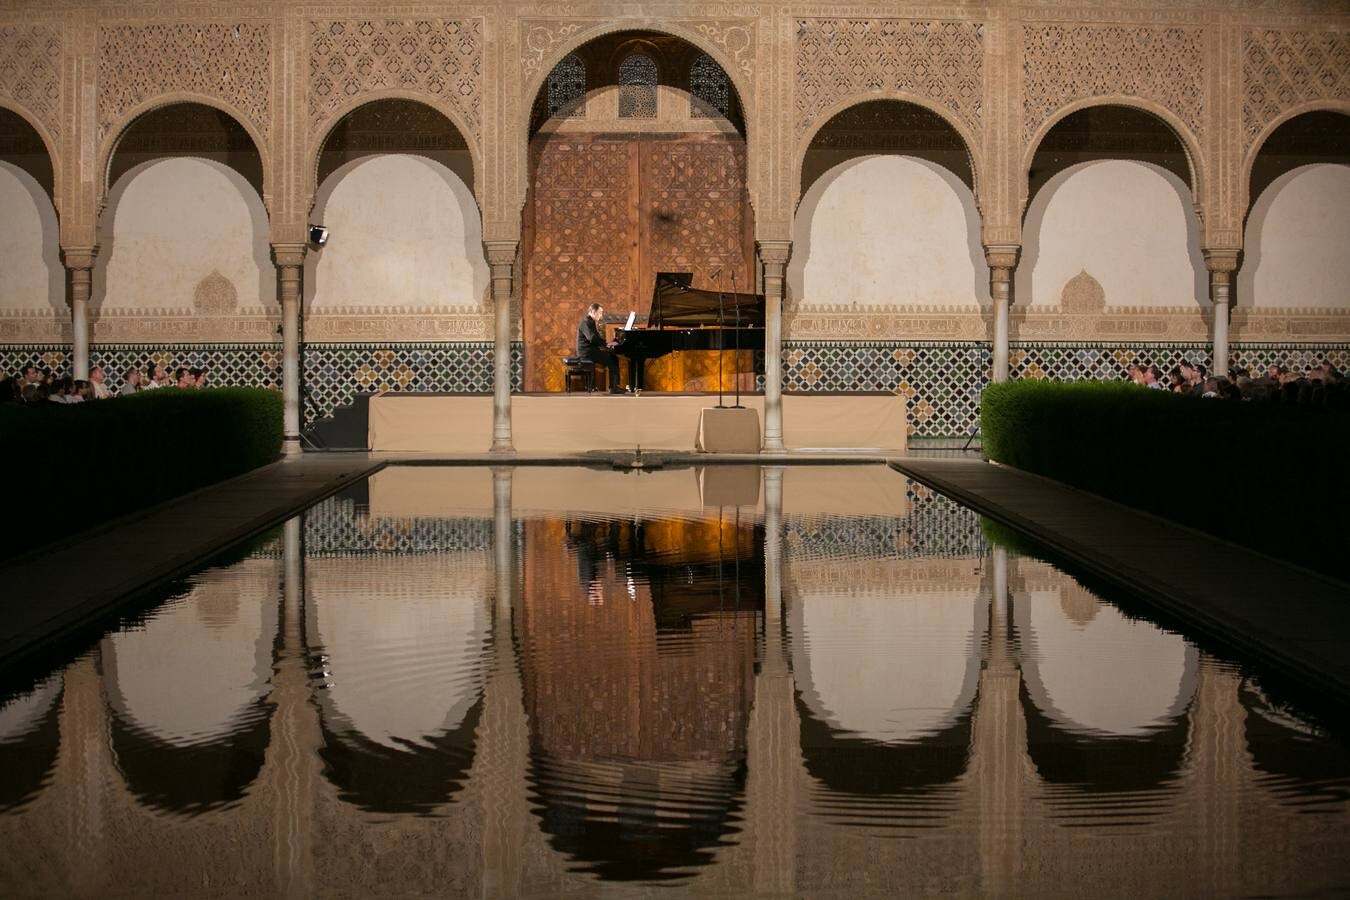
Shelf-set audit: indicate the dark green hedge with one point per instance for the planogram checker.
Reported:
(1268, 476)
(72, 467)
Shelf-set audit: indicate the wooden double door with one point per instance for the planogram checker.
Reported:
(605, 213)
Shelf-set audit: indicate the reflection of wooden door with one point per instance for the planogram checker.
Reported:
(607, 212)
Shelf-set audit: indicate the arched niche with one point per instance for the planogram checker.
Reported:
(619, 190)
(888, 214)
(1105, 697)
(396, 190)
(184, 229)
(399, 653)
(886, 677)
(1110, 193)
(31, 274)
(30, 739)
(1299, 221)
(188, 689)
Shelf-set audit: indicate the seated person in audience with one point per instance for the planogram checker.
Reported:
(81, 391)
(100, 390)
(1273, 372)
(183, 379)
(32, 381)
(131, 382)
(591, 345)
(1210, 389)
(1153, 378)
(1135, 373)
(198, 378)
(59, 391)
(155, 377)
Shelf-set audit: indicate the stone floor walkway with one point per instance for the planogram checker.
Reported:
(57, 589)
(1291, 619)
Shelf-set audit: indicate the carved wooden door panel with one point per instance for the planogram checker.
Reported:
(605, 214)
(580, 245)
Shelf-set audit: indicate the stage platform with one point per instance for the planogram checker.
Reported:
(576, 423)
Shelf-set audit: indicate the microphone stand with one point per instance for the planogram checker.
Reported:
(721, 325)
(736, 354)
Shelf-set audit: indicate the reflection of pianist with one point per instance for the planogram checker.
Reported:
(591, 345)
(592, 544)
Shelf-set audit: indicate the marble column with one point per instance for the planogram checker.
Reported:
(79, 263)
(501, 257)
(774, 256)
(1222, 265)
(1002, 264)
(290, 261)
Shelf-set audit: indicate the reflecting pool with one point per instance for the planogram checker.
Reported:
(803, 679)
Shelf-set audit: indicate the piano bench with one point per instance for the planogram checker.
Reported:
(581, 369)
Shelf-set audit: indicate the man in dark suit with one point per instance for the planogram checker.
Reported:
(591, 345)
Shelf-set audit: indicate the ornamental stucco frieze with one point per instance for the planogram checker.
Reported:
(227, 61)
(30, 72)
(440, 58)
(1285, 69)
(1066, 62)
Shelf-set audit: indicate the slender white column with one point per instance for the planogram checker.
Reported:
(1002, 264)
(502, 260)
(1221, 264)
(290, 259)
(80, 263)
(774, 256)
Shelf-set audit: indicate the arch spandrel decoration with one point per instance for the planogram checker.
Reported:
(1063, 64)
(30, 75)
(1284, 72)
(940, 63)
(228, 65)
(350, 60)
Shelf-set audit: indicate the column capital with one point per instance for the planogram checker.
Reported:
(289, 254)
(775, 253)
(501, 253)
(79, 257)
(1222, 259)
(1002, 256)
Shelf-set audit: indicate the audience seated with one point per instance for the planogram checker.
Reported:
(1322, 386)
(34, 385)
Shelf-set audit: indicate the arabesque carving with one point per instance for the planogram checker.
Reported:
(229, 62)
(30, 71)
(1282, 69)
(215, 295)
(842, 58)
(1065, 63)
(439, 57)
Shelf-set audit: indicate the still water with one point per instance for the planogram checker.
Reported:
(800, 680)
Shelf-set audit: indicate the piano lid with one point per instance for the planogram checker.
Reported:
(677, 305)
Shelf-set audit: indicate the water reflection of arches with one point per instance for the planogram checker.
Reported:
(886, 681)
(187, 691)
(638, 683)
(1105, 697)
(397, 659)
(30, 737)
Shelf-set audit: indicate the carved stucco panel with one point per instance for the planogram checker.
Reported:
(30, 71)
(735, 38)
(442, 58)
(1283, 69)
(229, 62)
(942, 61)
(1064, 63)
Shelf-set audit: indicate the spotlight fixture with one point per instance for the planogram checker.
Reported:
(318, 235)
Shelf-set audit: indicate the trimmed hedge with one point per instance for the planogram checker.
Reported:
(1268, 476)
(74, 466)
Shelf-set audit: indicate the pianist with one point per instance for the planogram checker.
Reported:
(591, 345)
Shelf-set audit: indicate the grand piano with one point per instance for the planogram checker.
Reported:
(685, 318)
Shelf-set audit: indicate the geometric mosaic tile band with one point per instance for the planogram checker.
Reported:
(941, 381)
(337, 527)
(335, 373)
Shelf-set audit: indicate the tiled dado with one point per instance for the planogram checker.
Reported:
(335, 373)
(941, 381)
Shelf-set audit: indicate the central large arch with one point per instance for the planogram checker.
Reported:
(637, 165)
